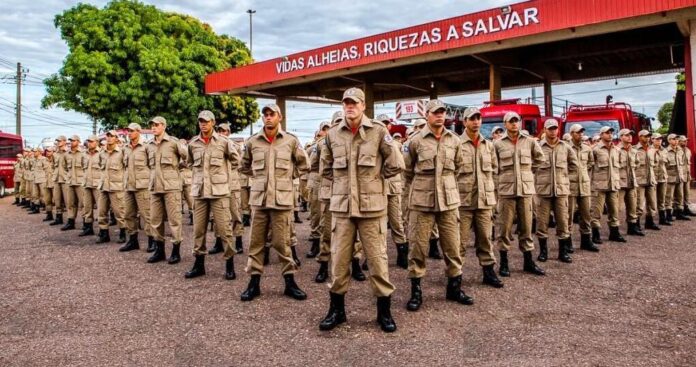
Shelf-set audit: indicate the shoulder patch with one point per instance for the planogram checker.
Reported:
(388, 138)
(405, 148)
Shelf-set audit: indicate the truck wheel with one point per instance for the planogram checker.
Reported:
(3, 190)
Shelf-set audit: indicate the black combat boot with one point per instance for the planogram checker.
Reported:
(586, 243)
(364, 266)
(314, 249)
(563, 255)
(103, 236)
(323, 272)
(504, 269)
(530, 266)
(292, 290)
(253, 289)
(190, 218)
(662, 218)
(266, 255)
(297, 217)
(294, 256)
(455, 292)
(87, 230)
(112, 219)
(176, 257)
(229, 269)
(402, 255)
(570, 248)
(679, 214)
(49, 217)
(150, 244)
(596, 238)
(238, 246)
(159, 254)
(634, 230)
(16, 202)
(490, 278)
(58, 220)
(687, 211)
(70, 225)
(384, 316)
(246, 220)
(543, 250)
(416, 295)
(132, 243)
(26, 203)
(198, 268)
(217, 248)
(355, 270)
(668, 216)
(303, 206)
(337, 312)
(650, 224)
(434, 250)
(34, 209)
(121, 235)
(614, 235)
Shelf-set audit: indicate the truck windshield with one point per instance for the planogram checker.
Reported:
(488, 123)
(592, 126)
(9, 148)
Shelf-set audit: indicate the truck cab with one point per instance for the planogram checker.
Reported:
(492, 114)
(618, 115)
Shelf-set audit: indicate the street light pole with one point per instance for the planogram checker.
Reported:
(251, 49)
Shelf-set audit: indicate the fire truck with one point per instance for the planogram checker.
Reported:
(492, 114)
(413, 110)
(618, 115)
(10, 146)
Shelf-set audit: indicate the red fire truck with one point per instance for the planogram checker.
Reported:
(492, 114)
(10, 146)
(617, 115)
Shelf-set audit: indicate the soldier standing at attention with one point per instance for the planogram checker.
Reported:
(136, 197)
(314, 184)
(93, 173)
(645, 180)
(48, 188)
(17, 178)
(675, 179)
(111, 189)
(661, 178)
(606, 185)
(581, 188)
(627, 178)
(60, 180)
(686, 162)
(357, 157)
(76, 162)
(39, 173)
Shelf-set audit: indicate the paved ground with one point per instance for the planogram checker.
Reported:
(65, 301)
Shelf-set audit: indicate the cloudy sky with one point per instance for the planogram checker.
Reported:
(281, 27)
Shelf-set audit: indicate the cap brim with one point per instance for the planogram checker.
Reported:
(438, 109)
(473, 115)
(354, 99)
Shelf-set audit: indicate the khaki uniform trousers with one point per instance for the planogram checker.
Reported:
(686, 187)
(245, 200)
(646, 202)
(36, 193)
(48, 198)
(584, 206)
(136, 202)
(114, 201)
(23, 189)
(278, 224)
(325, 241)
(315, 213)
(91, 199)
(421, 225)
(236, 201)
(481, 222)
(187, 198)
(629, 198)
(220, 210)
(660, 193)
(75, 200)
(373, 232)
(395, 219)
(166, 204)
(559, 205)
(611, 198)
(508, 209)
(18, 189)
(60, 196)
(674, 196)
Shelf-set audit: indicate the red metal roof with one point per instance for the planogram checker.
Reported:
(493, 25)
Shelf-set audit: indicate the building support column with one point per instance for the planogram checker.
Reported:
(548, 98)
(433, 90)
(280, 101)
(494, 83)
(689, 57)
(369, 89)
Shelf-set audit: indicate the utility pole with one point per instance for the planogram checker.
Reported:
(18, 128)
(94, 126)
(251, 49)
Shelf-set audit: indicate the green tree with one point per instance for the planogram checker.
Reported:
(129, 62)
(664, 115)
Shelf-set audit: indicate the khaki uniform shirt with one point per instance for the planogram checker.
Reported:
(660, 165)
(325, 188)
(39, 170)
(686, 164)
(164, 158)
(579, 176)
(60, 168)
(395, 184)
(93, 171)
(48, 171)
(211, 164)
(19, 170)
(516, 161)
(475, 181)
(272, 166)
(357, 164)
(234, 171)
(675, 171)
(28, 169)
(136, 160)
(646, 165)
(113, 170)
(605, 174)
(552, 175)
(76, 162)
(627, 167)
(313, 153)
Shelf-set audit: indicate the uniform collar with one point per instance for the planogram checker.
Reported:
(364, 121)
(279, 134)
(466, 138)
(520, 136)
(426, 131)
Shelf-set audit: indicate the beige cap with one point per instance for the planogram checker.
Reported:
(273, 107)
(644, 133)
(94, 137)
(434, 105)
(409, 131)
(549, 123)
(224, 126)
(158, 120)
(19, 155)
(511, 115)
(576, 128)
(324, 124)
(682, 138)
(37, 149)
(384, 118)
(585, 138)
(397, 135)
(112, 133)
(336, 117)
(206, 115)
(134, 126)
(595, 138)
(623, 132)
(566, 136)
(672, 136)
(605, 129)
(497, 128)
(27, 149)
(354, 94)
(470, 112)
(61, 138)
(657, 136)
(419, 122)
(75, 138)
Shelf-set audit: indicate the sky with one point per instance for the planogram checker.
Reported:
(281, 27)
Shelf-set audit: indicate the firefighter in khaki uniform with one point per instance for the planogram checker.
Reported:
(186, 180)
(91, 186)
(660, 178)
(17, 178)
(211, 157)
(314, 184)
(245, 184)
(553, 187)
(517, 155)
(627, 177)
(645, 180)
(580, 188)
(60, 179)
(271, 157)
(111, 189)
(686, 185)
(48, 188)
(39, 173)
(358, 155)
(605, 185)
(28, 175)
(165, 153)
(477, 194)
(431, 167)
(675, 175)
(136, 196)
(75, 162)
